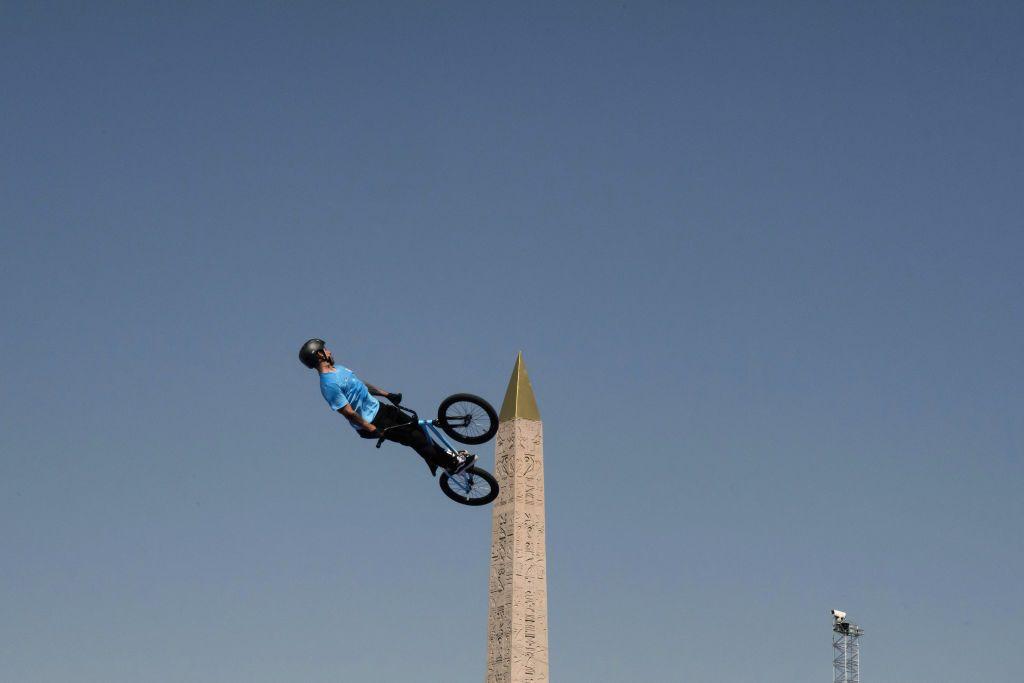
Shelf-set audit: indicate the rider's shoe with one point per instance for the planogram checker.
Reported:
(463, 461)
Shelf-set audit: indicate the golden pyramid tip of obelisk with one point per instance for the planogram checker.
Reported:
(519, 399)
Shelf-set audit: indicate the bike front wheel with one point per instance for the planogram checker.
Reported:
(472, 487)
(467, 418)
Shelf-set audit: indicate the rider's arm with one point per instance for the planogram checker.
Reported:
(349, 413)
(377, 391)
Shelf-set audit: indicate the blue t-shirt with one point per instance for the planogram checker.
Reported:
(341, 387)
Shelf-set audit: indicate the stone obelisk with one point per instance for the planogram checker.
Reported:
(517, 623)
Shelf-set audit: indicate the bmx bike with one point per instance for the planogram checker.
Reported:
(467, 419)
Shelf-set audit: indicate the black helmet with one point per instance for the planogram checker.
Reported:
(309, 352)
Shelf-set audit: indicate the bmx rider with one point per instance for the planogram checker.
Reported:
(356, 401)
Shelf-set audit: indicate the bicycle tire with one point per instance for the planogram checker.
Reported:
(464, 499)
(486, 432)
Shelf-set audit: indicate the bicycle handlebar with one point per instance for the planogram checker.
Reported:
(407, 410)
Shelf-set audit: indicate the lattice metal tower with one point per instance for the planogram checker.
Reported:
(845, 649)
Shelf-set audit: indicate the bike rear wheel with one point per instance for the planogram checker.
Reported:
(472, 487)
(467, 418)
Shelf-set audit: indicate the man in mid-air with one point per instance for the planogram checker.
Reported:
(355, 400)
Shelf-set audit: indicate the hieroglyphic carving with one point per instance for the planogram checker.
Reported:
(517, 628)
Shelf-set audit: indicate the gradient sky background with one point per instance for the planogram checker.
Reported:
(764, 264)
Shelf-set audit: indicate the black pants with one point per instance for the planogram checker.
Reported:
(408, 434)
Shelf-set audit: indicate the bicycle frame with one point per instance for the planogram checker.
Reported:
(432, 432)
(429, 428)
(469, 485)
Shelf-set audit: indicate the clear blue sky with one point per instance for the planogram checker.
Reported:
(764, 264)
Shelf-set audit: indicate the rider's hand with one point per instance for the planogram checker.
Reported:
(395, 398)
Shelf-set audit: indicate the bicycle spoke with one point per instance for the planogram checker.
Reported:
(474, 417)
(468, 486)
(471, 419)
